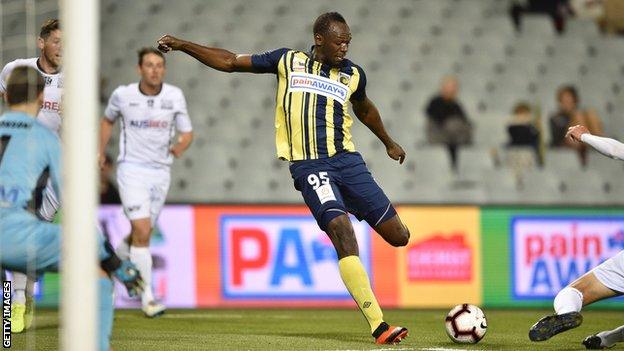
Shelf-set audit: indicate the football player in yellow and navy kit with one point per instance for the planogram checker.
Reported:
(313, 133)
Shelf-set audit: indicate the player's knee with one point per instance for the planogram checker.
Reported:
(141, 235)
(400, 236)
(403, 236)
(342, 236)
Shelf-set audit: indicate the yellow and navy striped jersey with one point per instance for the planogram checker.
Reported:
(312, 120)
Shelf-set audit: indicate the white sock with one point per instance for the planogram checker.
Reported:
(19, 287)
(611, 337)
(123, 249)
(568, 300)
(142, 258)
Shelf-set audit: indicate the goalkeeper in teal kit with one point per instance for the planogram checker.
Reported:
(29, 155)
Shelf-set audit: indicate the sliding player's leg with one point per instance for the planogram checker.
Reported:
(605, 339)
(604, 281)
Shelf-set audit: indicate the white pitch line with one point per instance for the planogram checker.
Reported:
(204, 315)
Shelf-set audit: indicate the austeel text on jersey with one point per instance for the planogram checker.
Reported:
(319, 85)
(149, 124)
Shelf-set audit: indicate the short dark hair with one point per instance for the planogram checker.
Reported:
(571, 89)
(321, 25)
(24, 85)
(522, 107)
(48, 27)
(149, 50)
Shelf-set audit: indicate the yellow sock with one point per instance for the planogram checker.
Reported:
(356, 280)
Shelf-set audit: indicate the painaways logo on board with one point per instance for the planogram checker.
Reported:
(550, 253)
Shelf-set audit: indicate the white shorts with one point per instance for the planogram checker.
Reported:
(611, 272)
(143, 190)
(50, 203)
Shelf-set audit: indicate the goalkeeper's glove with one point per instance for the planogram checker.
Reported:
(130, 277)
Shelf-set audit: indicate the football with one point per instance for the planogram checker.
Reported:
(466, 324)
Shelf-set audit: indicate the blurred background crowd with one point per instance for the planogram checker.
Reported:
(479, 92)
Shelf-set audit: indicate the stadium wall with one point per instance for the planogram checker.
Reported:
(275, 256)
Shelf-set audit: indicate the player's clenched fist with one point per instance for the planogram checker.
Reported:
(167, 43)
(576, 131)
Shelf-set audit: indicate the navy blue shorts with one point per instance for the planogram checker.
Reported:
(339, 184)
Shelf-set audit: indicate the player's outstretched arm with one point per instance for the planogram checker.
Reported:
(368, 113)
(606, 146)
(219, 59)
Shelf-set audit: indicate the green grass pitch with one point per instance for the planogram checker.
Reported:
(310, 329)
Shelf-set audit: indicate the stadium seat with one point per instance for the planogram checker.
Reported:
(501, 187)
(537, 26)
(473, 162)
(585, 187)
(561, 160)
(540, 186)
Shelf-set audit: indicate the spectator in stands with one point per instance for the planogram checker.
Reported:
(569, 114)
(558, 10)
(524, 139)
(521, 127)
(108, 191)
(612, 21)
(447, 121)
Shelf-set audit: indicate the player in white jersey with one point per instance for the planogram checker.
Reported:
(150, 111)
(49, 66)
(602, 282)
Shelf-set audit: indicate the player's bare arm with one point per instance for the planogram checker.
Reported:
(106, 129)
(606, 146)
(219, 59)
(184, 141)
(368, 113)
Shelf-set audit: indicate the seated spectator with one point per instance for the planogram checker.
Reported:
(612, 22)
(558, 10)
(569, 114)
(108, 191)
(447, 121)
(524, 139)
(521, 128)
(588, 9)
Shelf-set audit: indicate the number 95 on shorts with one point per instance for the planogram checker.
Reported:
(337, 185)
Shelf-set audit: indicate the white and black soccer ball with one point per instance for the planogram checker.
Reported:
(466, 324)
